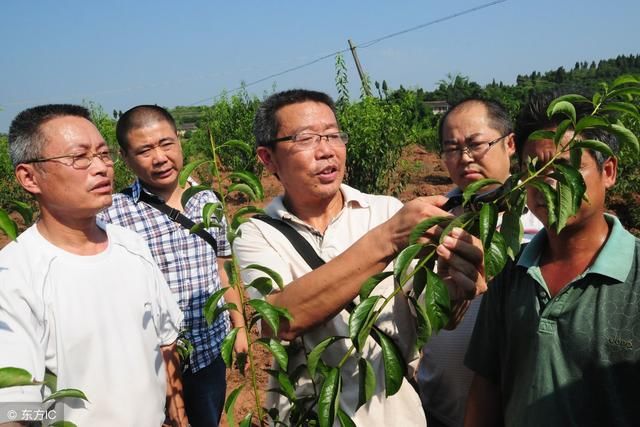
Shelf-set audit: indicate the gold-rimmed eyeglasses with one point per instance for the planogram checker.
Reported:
(79, 161)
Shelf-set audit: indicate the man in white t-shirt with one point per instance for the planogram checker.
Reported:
(477, 142)
(81, 299)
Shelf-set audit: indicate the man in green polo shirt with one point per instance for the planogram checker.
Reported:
(557, 340)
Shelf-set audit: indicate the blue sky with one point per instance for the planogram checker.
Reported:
(122, 53)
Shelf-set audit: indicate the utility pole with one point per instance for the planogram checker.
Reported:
(366, 87)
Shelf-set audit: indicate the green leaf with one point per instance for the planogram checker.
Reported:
(366, 382)
(231, 273)
(561, 130)
(488, 221)
(209, 211)
(549, 197)
(246, 421)
(8, 226)
(66, 392)
(328, 401)
(279, 353)
(631, 90)
(359, 319)
(437, 303)
(575, 157)
(190, 192)
(624, 79)
(220, 309)
(226, 349)
(597, 97)
(572, 98)
(420, 278)
(244, 189)
(251, 180)
(622, 107)
(211, 304)
(238, 145)
(344, 419)
(590, 122)
(462, 221)
(562, 107)
(50, 380)
(495, 258)
(541, 134)
(268, 313)
(473, 188)
(262, 284)
(512, 231)
(186, 171)
(370, 284)
(63, 424)
(626, 137)
(564, 204)
(592, 144)
(423, 325)
(230, 403)
(572, 177)
(394, 364)
(404, 259)
(314, 356)
(419, 230)
(196, 227)
(286, 386)
(239, 216)
(11, 377)
(271, 273)
(24, 209)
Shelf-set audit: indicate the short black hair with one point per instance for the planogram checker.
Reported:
(266, 126)
(138, 117)
(26, 140)
(498, 116)
(533, 116)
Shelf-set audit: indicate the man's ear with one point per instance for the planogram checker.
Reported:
(265, 155)
(125, 158)
(510, 144)
(28, 177)
(610, 171)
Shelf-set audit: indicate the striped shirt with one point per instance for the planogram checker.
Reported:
(189, 264)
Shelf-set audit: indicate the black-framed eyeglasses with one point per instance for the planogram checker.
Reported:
(308, 139)
(79, 161)
(475, 149)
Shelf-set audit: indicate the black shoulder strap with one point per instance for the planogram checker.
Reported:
(176, 216)
(301, 245)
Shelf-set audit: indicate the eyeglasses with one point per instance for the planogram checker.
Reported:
(475, 150)
(79, 161)
(312, 139)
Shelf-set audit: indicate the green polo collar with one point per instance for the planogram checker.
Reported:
(614, 260)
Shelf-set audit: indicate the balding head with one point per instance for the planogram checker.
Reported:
(139, 117)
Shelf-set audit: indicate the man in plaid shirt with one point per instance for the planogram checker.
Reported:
(151, 148)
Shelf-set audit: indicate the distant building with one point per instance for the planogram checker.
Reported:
(438, 107)
(186, 127)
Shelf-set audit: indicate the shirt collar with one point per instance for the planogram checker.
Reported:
(614, 260)
(137, 189)
(351, 197)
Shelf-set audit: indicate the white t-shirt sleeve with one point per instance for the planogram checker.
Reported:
(21, 334)
(169, 314)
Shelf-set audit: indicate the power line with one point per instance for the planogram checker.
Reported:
(362, 46)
